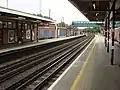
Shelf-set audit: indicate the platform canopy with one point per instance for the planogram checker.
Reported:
(15, 14)
(94, 10)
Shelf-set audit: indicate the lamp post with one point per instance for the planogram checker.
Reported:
(49, 13)
(62, 21)
(40, 6)
(7, 3)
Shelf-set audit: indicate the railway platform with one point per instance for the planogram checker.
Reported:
(91, 70)
(31, 44)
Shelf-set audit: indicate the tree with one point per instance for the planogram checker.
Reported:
(66, 25)
(94, 29)
(40, 15)
(34, 14)
(62, 24)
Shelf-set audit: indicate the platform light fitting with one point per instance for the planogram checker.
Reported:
(94, 5)
(97, 14)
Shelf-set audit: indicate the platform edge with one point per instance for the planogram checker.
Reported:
(59, 78)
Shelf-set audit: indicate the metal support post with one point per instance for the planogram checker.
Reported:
(73, 32)
(21, 31)
(14, 32)
(7, 3)
(108, 24)
(37, 32)
(1, 38)
(113, 26)
(106, 33)
(33, 32)
(17, 32)
(31, 28)
(66, 32)
(70, 31)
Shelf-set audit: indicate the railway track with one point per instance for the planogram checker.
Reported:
(25, 64)
(34, 72)
(17, 54)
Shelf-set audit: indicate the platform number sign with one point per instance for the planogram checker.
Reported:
(27, 34)
(10, 36)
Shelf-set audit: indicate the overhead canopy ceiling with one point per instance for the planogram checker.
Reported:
(94, 10)
(117, 15)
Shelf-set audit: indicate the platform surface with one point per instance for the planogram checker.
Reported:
(92, 70)
(30, 44)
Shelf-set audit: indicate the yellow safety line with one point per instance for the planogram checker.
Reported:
(79, 76)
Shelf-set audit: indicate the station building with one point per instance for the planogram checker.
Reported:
(19, 27)
(68, 31)
(47, 31)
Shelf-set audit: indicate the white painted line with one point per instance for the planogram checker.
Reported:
(59, 78)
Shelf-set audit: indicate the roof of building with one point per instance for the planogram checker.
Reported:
(24, 14)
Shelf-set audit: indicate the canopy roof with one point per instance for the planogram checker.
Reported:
(16, 14)
(94, 10)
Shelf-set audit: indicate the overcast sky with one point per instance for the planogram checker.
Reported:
(59, 8)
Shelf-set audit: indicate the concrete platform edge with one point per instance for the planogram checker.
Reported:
(37, 44)
(55, 83)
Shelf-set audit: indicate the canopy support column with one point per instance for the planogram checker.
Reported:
(37, 32)
(31, 28)
(113, 26)
(21, 32)
(106, 33)
(108, 28)
(17, 32)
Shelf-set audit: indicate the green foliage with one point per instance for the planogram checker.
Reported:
(42, 16)
(34, 14)
(62, 24)
(66, 25)
(47, 17)
(94, 29)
